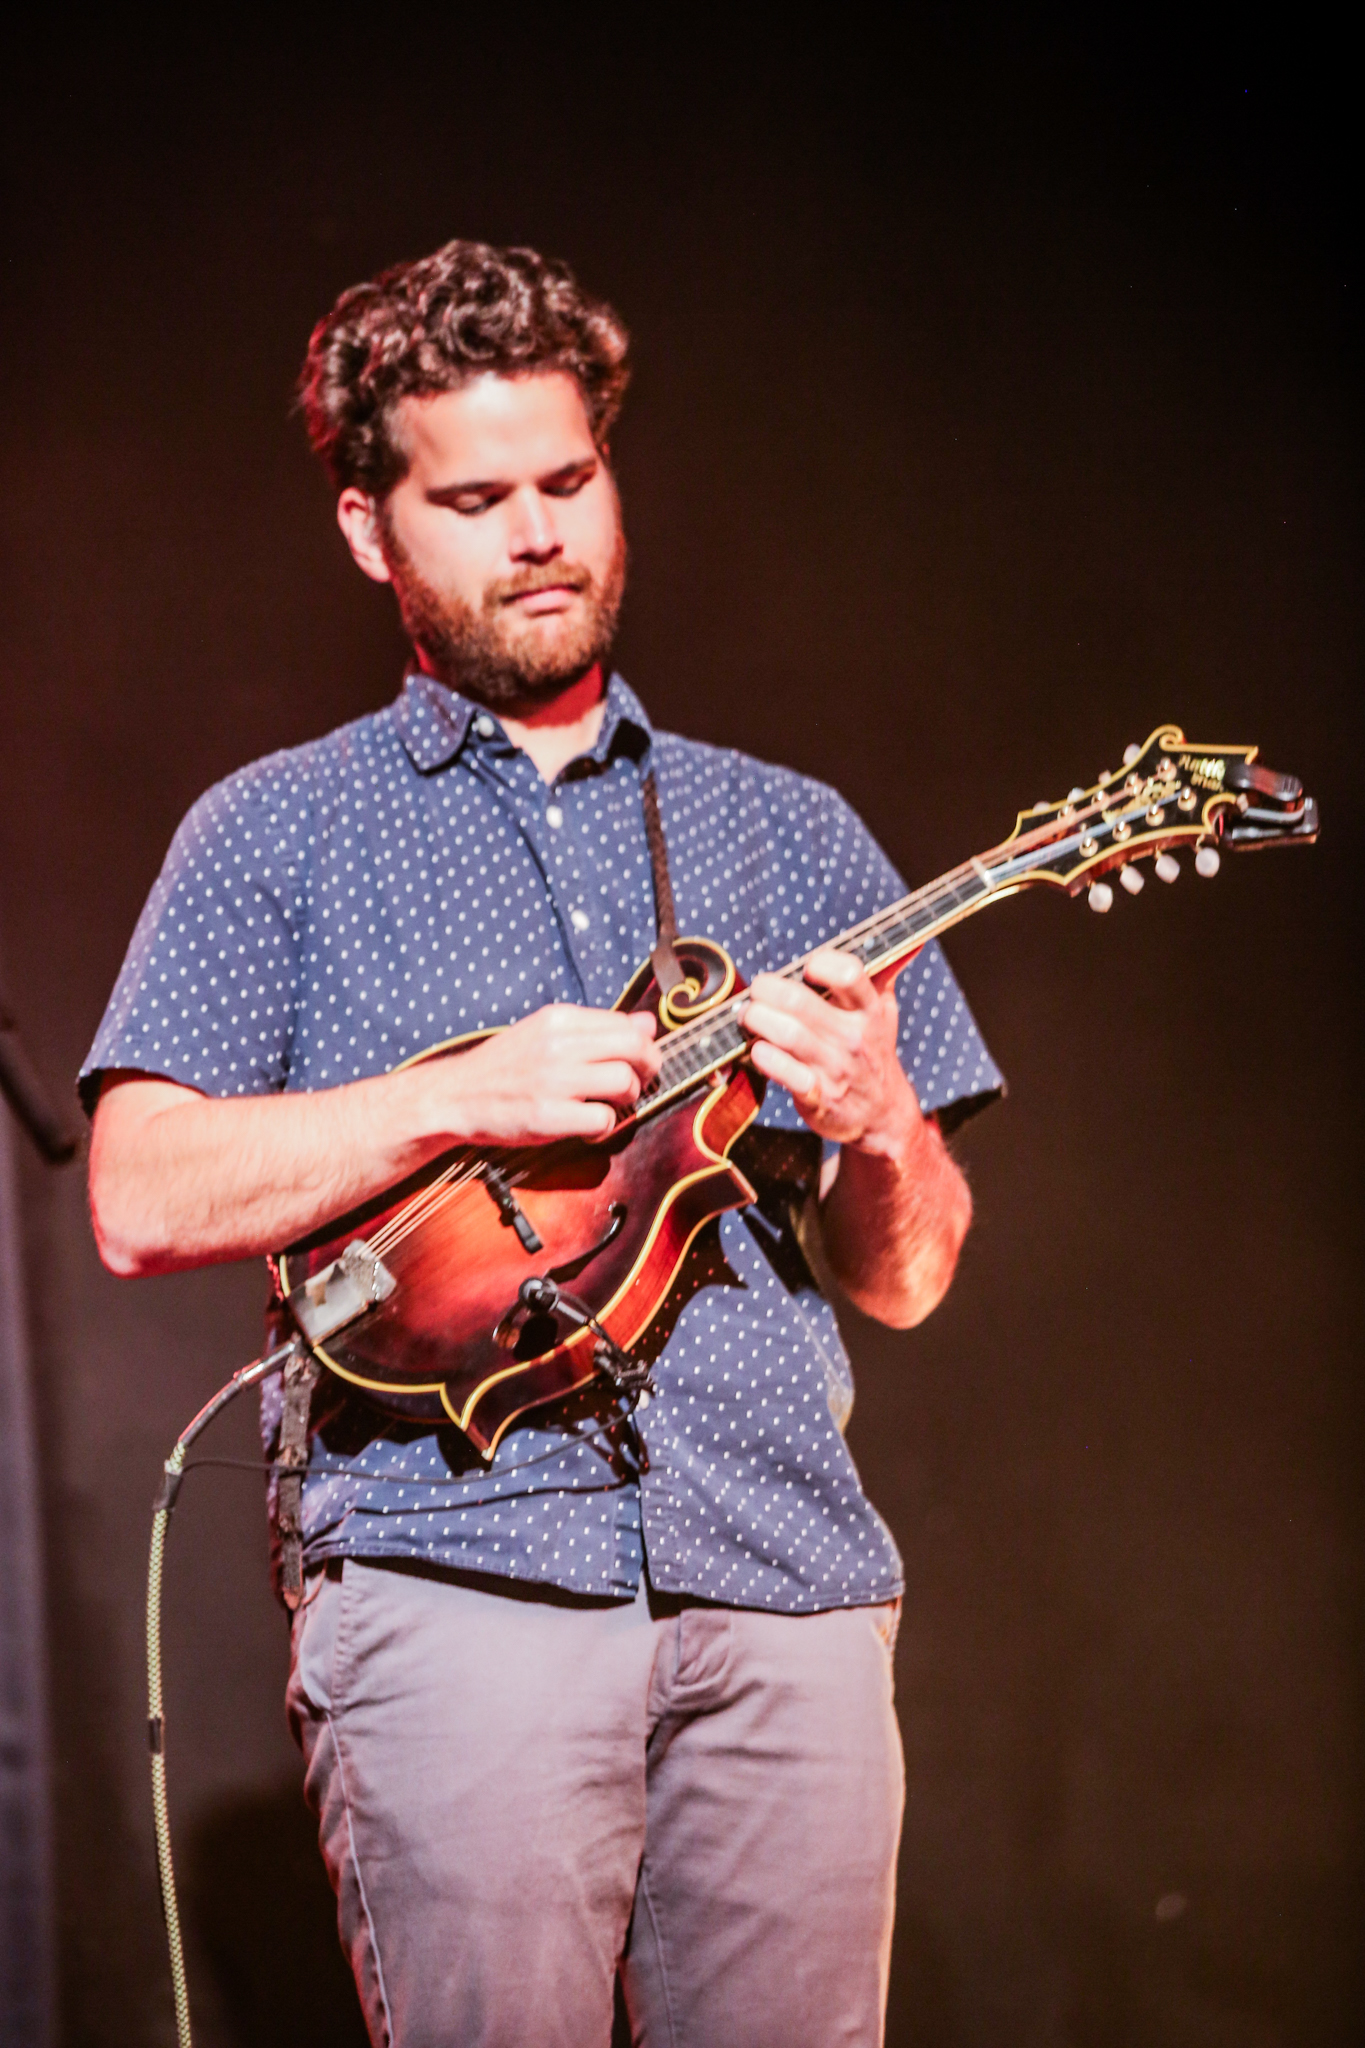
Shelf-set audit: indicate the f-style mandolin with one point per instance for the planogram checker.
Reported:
(491, 1282)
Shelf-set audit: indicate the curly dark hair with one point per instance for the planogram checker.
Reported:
(424, 327)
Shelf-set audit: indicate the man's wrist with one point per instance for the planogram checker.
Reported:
(422, 1116)
(898, 1138)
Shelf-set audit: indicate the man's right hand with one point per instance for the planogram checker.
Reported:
(179, 1179)
(563, 1072)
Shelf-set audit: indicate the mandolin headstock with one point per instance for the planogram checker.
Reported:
(1169, 793)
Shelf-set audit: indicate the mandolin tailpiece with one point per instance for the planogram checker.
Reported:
(341, 1293)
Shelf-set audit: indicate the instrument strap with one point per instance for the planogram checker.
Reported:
(301, 1374)
(667, 972)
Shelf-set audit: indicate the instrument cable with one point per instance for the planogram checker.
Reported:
(163, 1507)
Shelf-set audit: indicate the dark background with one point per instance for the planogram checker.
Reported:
(995, 400)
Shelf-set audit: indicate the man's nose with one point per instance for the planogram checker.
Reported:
(533, 537)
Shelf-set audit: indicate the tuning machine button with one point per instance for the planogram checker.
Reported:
(1073, 796)
(1167, 868)
(1131, 879)
(1101, 896)
(1206, 862)
(1130, 753)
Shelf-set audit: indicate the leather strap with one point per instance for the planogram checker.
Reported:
(667, 972)
(301, 1374)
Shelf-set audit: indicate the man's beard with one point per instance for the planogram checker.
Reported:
(485, 652)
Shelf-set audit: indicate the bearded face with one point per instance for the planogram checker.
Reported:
(494, 650)
(502, 540)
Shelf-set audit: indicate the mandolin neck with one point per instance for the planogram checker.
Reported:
(881, 944)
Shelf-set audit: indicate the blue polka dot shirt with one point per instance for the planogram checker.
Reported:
(333, 909)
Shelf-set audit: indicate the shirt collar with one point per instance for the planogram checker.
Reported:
(434, 723)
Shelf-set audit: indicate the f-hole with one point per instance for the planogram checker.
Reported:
(571, 1268)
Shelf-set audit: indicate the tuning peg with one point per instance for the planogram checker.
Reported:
(1206, 862)
(1130, 753)
(1101, 896)
(1073, 796)
(1167, 867)
(1132, 880)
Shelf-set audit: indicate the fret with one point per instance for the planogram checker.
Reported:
(717, 1039)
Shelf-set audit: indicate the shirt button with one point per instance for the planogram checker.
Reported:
(554, 817)
(484, 726)
(579, 920)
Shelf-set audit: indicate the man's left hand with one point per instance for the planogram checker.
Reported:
(836, 1054)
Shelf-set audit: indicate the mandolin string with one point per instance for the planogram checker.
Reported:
(403, 1225)
(902, 917)
(416, 1204)
(450, 1175)
(415, 1212)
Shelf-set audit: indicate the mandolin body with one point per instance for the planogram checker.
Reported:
(614, 1220)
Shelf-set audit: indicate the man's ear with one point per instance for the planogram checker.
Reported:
(358, 518)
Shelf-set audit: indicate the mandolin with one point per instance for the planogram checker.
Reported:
(492, 1282)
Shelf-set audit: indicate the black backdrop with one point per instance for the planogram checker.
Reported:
(994, 402)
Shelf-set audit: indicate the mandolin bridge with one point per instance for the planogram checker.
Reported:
(340, 1293)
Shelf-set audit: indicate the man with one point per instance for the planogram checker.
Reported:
(620, 1701)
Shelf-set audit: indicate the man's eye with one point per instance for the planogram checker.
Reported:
(569, 487)
(471, 507)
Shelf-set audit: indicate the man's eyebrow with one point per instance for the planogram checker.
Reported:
(438, 493)
(568, 469)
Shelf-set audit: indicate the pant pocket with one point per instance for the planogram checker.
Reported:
(314, 1645)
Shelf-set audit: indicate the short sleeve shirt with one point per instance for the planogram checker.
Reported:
(337, 907)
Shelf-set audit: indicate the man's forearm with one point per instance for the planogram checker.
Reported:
(179, 1180)
(892, 1225)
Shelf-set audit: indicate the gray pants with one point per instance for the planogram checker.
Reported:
(520, 1793)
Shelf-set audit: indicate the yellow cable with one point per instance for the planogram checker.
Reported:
(156, 1726)
(156, 1706)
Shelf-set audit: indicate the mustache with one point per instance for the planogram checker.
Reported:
(563, 576)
